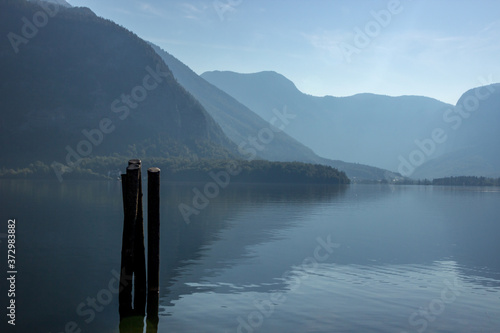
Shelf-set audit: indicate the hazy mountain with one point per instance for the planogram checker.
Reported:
(241, 124)
(472, 135)
(237, 121)
(62, 3)
(77, 85)
(365, 128)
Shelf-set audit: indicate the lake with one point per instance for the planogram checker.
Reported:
(261, 258)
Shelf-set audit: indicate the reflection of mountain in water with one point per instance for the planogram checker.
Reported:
(474, 229)
(244, 241)
(218, 238)
(378, 227)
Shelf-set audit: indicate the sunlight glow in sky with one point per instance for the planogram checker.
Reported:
(432, 48)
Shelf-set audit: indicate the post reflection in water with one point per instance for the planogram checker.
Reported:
(152, 313)
(133, 323)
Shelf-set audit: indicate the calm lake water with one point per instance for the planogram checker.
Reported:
(361, 258)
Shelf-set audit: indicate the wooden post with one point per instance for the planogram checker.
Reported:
(153, 232)
(139, 249)
(130, 193)
(153, 249)
(133, 265)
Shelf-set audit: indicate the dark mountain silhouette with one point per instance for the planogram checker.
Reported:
(77, 85)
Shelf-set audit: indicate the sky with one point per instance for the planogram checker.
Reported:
(434, 48)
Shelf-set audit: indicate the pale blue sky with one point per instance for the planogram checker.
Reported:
(435, 48)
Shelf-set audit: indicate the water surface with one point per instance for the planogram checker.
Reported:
(361, 258)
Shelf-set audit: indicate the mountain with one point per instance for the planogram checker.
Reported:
(365, 128)
(61, 3)
(237, 121)
(75, 85)
(241, 124)
(472, 135)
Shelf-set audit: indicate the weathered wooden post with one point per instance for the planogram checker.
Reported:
(133, 265)
(153, 249)
(153, 230)
(139, 250)
(130, 193)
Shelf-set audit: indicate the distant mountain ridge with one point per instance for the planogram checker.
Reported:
(472, 135)
(238, 122)
(62, 3)
(382, 130)
(242, 125)
(364, 128)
